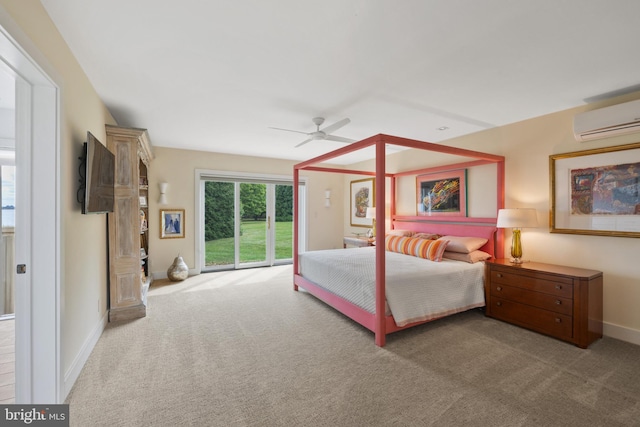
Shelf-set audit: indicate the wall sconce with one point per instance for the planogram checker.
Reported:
(163, 193)
(327, 198)
(517, 219)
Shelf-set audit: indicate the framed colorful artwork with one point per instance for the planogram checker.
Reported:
(442, 193)
(362, 196)
(596, 191)
(171, 223)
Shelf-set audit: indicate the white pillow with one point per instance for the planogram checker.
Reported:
(464, 245)
(471, 257)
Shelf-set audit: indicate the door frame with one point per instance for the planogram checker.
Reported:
(38, 292)
(202, 175)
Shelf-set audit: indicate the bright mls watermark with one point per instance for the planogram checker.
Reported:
(34, 415)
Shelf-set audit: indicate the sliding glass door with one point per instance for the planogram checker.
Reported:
(283, 223)
(219, 224)
(247, 223)
(253, 223)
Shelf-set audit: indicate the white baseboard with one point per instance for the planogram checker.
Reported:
(621, 333)
(81, 358)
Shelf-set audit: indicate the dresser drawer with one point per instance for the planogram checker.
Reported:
(537, 299)
(548, 322)
(549, 284)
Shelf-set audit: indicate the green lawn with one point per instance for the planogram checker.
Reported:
(252, 244)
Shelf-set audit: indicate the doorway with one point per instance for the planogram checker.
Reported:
(38, 376)
(7, 223)
(7, 238)
(246, 221)
(247, 224)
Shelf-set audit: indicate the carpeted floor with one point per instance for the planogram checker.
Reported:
(241, 348)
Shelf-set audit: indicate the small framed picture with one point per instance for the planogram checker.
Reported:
(171, 223)
(143, 201)
(362, 196)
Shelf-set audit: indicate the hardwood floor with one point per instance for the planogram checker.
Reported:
(7, 361)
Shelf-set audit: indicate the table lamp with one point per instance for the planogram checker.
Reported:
(517, 219)
(371, 213)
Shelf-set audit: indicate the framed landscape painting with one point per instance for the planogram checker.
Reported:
(442, 193)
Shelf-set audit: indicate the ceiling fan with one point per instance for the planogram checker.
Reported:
(321, 134)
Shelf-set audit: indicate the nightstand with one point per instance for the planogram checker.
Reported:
(562, 302)
(358, 241)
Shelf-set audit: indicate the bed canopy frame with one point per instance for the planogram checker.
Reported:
(379, 323)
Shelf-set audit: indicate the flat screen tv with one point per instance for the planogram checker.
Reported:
(97, 170)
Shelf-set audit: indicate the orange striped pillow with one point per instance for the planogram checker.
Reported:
(394, 243)
(422, 248)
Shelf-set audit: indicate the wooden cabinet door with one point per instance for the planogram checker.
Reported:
(124, 228)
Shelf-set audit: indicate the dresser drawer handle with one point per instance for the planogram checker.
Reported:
(499, 303)
(499, 275)
(499, 288)
(558, 320)
(558, 302)
(558, 287)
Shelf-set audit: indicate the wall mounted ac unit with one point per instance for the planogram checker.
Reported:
(607, 122)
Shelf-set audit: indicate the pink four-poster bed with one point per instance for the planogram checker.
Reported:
(380, 321)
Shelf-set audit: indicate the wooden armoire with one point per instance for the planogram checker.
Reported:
(129, 276)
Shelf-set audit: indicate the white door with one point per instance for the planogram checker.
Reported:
(244, 220)
(249, 224)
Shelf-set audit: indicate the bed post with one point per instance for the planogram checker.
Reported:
(296, 174)
(392, 198)
(499, 249)
(380, 332)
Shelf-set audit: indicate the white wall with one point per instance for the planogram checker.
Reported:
(177, 168)
(481, 192)
(7, 127)
(84, 239)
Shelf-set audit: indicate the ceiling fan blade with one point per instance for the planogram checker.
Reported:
(304, 142)
(289, 130)
(339, 139)
(337, 125)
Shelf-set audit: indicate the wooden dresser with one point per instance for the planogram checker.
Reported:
(563, 302)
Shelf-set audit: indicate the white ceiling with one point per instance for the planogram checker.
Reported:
(215, 75)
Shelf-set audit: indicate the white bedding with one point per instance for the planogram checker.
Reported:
(416, 289)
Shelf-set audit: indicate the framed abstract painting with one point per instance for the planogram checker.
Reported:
(442, 193)
(596, 191)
